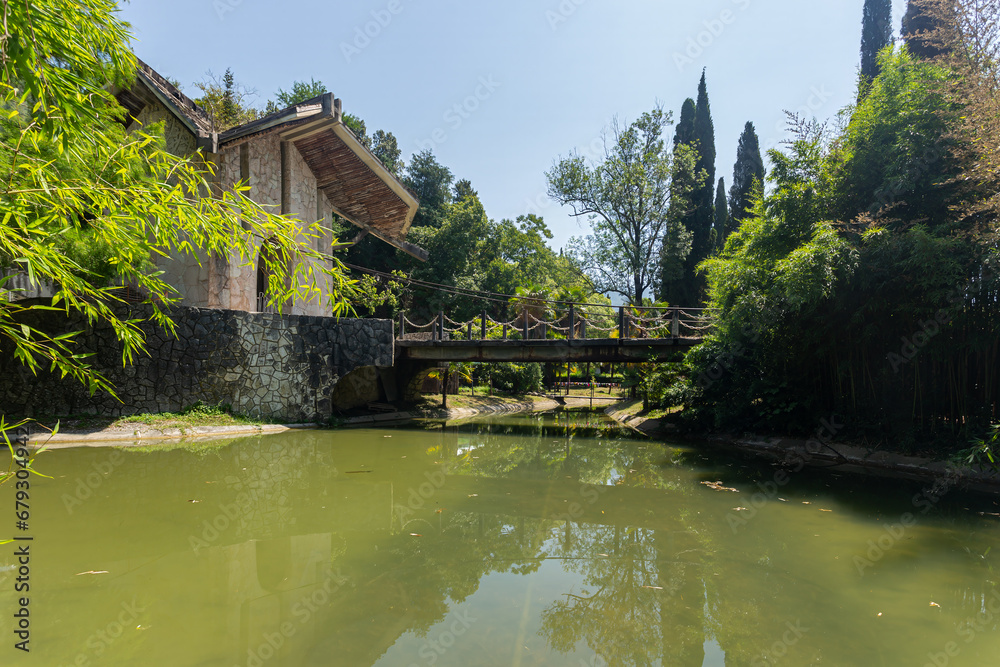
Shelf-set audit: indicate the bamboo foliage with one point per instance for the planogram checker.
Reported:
(68, 169)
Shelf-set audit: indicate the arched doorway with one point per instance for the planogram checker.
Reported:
(267, 261)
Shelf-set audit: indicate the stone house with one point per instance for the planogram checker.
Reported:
(303, 162)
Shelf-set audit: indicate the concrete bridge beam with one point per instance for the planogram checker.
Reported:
(553, 351)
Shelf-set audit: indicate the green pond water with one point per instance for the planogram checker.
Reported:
(528, 540)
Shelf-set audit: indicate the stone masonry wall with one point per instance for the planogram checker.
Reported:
(282, 367)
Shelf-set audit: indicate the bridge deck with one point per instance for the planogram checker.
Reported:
(603, 350)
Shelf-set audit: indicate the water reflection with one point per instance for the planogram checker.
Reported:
(523, 541)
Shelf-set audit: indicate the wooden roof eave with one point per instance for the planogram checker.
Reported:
(344, 134)
(336, 125)
(410, 249)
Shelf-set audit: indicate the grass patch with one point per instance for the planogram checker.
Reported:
(633, 408)
(198, 414)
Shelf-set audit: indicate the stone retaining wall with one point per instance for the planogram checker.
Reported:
(281, 367)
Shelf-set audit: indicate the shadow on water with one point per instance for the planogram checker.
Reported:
(550, 539)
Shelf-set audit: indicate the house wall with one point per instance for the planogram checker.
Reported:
(280, 367)
(180, 140)
(231, 282)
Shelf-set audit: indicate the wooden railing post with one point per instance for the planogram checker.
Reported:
(440, 326)
(675, 325)
(483, 336)
(621, 323)
(524, 327)
(572, 322)
(469, 335)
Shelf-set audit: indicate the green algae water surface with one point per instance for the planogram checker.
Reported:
(528, 540)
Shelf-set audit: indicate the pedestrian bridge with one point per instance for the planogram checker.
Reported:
(630, 335)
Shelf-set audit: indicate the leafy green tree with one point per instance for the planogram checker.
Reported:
(748, 178)
(829, 295)
(775, 273)
(69, 168)
(386, 148)
(626, 198)
(300, 92)
(721, 214)
(876, 34)
(921, 29)
(227, 102)
(358, 127)
(464, 189)
(382, 144)
(431, 182)
(970, 38)
(894, 157)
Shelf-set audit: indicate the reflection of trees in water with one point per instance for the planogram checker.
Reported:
(449, 563)
(643, 596)
(581, 447)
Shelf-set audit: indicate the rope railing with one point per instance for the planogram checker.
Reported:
(646, 323)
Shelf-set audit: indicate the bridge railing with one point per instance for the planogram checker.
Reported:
(628, 323)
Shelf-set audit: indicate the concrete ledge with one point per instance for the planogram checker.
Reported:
(100, 438)
(452, 414)
(862, 461)
(581, 350)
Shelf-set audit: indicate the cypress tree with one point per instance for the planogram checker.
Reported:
(748, 173)
(684, 207)
(673, 257)
(229, 114)
(698, 214)
(703, 199)
(704, 134)
(721, 214)
(919, 27)
(685, 126)
(876, 34)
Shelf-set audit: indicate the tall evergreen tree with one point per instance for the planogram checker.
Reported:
(721, 214)
(682, 207)
(703, 200)
(919, 28)
(748, 173)
(683, 286)
(677, 245)
(431, 182)
(876, 34)
(684, 134)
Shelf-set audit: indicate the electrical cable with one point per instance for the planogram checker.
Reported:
(494, 297)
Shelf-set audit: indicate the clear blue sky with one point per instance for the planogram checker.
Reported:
(532, 79)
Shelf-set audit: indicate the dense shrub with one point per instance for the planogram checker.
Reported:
(517, 378)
